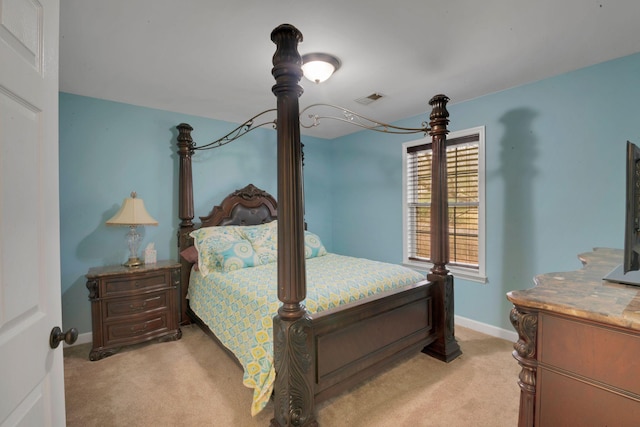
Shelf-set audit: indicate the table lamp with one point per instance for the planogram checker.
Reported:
(132, 213)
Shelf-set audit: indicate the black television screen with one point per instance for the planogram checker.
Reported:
(632, 227)
(628, 272)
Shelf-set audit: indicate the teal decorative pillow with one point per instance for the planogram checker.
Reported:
(222, 249)
(232, 247)
(221, 232)
(236, 255)
(264, 239)
(313, 246)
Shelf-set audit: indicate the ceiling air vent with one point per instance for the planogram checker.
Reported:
(369, 99)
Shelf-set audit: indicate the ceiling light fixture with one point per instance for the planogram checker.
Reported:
(318, 67)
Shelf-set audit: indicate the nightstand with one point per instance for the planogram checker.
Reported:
(133, 305)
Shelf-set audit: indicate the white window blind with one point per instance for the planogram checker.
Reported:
(464, 197)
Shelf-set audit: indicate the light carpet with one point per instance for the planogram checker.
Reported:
(193, 382)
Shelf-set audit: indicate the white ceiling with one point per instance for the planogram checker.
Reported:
(213, 58)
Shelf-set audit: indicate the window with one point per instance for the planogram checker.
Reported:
(465, 181)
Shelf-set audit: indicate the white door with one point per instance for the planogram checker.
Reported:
(31, 373)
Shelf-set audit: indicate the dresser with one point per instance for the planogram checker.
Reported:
(579, 347)
(133, 305)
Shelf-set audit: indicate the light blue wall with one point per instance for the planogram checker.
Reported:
(108, 149)
(555, 159)
(555, 181)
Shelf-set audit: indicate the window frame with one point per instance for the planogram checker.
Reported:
(473, 274)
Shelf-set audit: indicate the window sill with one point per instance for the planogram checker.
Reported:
(457, 272)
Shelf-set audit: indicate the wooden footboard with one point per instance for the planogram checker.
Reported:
(356, 341)
(353, 342)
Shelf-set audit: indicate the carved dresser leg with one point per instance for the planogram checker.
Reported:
(526, 324)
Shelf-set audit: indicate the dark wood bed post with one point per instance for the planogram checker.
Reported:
(445, 347)
(185, 210)
(293, 355)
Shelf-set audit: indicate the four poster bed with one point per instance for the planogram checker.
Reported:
(323, 340)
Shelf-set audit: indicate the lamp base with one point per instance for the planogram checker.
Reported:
(133, 262)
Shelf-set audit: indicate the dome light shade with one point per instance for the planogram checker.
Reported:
(318, 67)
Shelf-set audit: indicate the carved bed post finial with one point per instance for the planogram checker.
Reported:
(293, 343)
(185, 185)
(185, 206)
(287, 63)
(439, 119)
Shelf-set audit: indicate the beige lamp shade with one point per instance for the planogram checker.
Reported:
(132, 212)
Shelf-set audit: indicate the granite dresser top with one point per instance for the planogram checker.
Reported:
(584, 294)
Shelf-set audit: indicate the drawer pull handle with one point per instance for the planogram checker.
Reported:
(138, 307)
(139, 330)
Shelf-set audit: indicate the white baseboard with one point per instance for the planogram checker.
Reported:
(82, 339)
(485, 328)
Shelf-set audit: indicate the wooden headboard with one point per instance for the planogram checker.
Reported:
(246, 206)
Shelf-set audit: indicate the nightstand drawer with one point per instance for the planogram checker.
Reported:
(126, 285)
(149, 327)
(120, 307)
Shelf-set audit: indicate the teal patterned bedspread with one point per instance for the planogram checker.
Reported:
(238, 306)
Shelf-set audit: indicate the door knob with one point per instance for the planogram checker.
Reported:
(57, 335)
